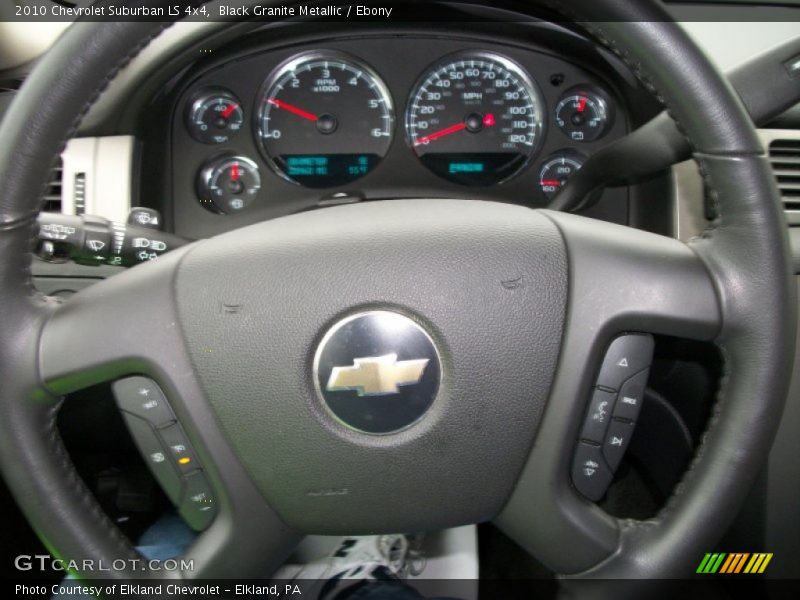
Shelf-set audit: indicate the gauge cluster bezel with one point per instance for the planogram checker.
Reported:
(399, 59)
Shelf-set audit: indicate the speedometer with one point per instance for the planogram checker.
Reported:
(324, 119)
(475, 119)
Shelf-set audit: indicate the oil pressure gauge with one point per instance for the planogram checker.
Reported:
(584, 114)
(228, 184)
(214, 116)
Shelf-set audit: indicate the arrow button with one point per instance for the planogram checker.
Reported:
(627, 355)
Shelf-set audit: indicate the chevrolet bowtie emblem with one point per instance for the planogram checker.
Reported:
(377, 375)
(359, 379)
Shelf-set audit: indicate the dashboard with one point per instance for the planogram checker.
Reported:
(264, 129)
(222, 137)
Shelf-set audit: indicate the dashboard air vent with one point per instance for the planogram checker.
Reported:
(52, 195)
(784, 154)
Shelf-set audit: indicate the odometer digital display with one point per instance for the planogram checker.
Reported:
(324, 119)
(475, 119)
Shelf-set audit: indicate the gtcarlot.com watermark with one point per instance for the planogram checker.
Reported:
(45, 562)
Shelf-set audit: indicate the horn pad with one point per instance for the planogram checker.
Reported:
(380, 367)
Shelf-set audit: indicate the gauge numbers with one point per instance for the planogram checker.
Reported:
(325, 119)
(475, 119)
(557, 169)
(228, 184)
(583, 114)
(214, 116)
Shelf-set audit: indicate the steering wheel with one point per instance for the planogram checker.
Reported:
(510, 308)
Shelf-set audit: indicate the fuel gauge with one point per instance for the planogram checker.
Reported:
(584, 114)
(214, 116)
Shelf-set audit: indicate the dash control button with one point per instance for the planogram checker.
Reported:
(96, 244)
(155, 456)
(596, 422)
(198, 506)
(617, 440)
(145, 217)
(631, 396)
(627, 355)
(141, 396)
(590, 473)
(178, 448)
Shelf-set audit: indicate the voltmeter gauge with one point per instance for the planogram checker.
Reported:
(214, 116)
(228, 184)
(584, 114)
(557, 169)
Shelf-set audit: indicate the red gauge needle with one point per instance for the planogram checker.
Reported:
(292, 109)
(229, 111)
(441, 133)
(235, 172)
(581, 105)
(488, 121)
(551, 182)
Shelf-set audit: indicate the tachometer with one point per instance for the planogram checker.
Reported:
(475, 119)
(325, 119)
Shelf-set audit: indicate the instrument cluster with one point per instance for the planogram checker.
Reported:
(329, 121)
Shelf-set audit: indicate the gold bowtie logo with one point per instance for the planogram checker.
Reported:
(377, 375)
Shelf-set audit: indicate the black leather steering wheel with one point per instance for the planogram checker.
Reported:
(517, 361)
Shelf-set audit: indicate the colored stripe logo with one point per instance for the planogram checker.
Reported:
(735, 562)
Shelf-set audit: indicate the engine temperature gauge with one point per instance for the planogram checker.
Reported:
(555, 171)
(228, 184)
(214, 116)
(583, 114)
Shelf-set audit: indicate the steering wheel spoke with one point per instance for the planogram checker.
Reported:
(245, 535)
(77, 351)
(622, 280)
